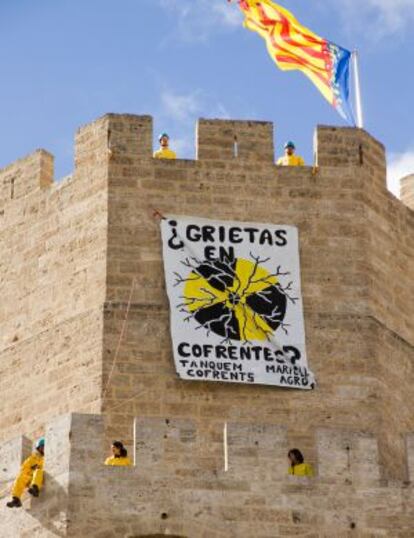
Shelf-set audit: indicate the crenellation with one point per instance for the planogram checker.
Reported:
(350, 147)
(229, 139)
(81, 496)
(121, 140)
(91, 147)
(130, 137)
(26, 176)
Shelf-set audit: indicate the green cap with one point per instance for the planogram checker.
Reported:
(40, 443)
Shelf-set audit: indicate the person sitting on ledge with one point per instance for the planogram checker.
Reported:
(30, 476)
(290, 158)
(164, 152)
(297, 465)
(119, 455)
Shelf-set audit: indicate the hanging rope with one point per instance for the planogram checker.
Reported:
(121, 336)
(143, 393)
(156, 214)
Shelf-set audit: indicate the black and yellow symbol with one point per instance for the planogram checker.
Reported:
(237, 300)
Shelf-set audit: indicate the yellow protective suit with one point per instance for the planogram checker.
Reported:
(301, 469)
(120, 461)
(165, 153)
(291, 160)
(31, 474)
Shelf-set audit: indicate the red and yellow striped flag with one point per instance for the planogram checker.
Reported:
(292, 46)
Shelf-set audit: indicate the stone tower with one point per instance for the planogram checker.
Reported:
(75, 254)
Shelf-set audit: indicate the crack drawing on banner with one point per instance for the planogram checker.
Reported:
(235, 299)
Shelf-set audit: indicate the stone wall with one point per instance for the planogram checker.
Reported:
(356, 256)
(179, 486)
(75, 254)
(52, 281)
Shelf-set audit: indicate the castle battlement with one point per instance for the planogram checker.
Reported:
(77, 255)
(130, 139)
(179, 484)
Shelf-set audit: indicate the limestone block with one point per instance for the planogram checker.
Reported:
(159, 441)
(257, 451)
(347, 457)
(12, 455)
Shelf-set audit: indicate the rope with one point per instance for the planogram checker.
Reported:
(120, 338)
(156, 214)
(126, 401)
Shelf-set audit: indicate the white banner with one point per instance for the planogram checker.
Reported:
(235, 301)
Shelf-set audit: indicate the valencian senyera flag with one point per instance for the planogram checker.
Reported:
(292, 46)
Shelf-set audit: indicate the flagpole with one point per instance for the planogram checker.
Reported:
(358, 98)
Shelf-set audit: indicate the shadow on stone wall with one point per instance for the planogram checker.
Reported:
(50, 509)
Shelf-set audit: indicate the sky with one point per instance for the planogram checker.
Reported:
(64, 63)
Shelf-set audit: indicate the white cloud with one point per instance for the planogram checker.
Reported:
(375, 18)
(181, 107)
(399, 166)
(178, 113)
(184, 147)
(228, 15)
(219, 112)
(185, 108)
(198, 19)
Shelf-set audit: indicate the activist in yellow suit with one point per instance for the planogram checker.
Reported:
(164, 152)
(290, 158)
(30, 476)
(119, 456)
(302, 469)
(298, 467)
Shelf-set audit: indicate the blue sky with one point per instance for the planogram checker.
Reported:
(66, 62)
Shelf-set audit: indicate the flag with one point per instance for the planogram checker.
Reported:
(292, 46)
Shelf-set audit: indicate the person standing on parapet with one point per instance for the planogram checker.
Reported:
(30, 476)
(164, 152)
(290, 158)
